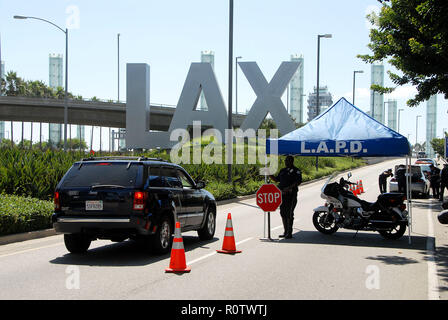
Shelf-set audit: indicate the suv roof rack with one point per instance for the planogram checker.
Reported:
(119, 158)
(123, 158)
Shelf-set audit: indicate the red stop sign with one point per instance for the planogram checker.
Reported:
(269, 197)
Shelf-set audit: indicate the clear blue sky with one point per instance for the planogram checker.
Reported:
(169, 35)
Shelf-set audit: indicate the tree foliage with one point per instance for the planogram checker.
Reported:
(438, 145)
(413, 36)
(14, 86)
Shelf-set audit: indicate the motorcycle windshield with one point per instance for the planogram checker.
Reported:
(331, 179)
(335, 177)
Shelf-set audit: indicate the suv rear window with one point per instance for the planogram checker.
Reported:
(164, 177)
(102, 173)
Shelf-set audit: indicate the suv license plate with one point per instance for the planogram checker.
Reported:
(94, 205)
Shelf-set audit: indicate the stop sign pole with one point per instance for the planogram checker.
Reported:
(269, 198)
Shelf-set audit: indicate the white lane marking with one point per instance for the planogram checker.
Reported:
(202, 258)
(213, 253)
(242, 241)
(29, 250)
(278, 227)
(433, 282)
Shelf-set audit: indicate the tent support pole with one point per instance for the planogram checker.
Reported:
(266, 214)
(408, 196)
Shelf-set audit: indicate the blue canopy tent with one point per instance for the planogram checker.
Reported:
(343, 130)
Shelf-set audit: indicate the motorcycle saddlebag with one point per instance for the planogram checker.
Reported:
(391, 199)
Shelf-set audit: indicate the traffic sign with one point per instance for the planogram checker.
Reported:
(269, 197)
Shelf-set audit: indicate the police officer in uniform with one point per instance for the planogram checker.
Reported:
(289, 179)
(443, 180)
(401, 178)
(434, 180)
(382, 180)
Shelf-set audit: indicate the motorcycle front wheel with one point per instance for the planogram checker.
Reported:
(324, 222)
(395, 233)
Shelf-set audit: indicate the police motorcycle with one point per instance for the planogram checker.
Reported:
(387, 216)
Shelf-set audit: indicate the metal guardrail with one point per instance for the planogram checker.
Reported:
(75, 99)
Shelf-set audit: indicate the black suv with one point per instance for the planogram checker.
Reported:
(118, 198)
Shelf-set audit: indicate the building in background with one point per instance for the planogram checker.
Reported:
(2, 75)
(56, 71)
(377, 99)
(2, 123)
(56, 77)
(431, 124)
(325, 101)
(392, 110)
(296, 91)
(55, 81)
(209, 57)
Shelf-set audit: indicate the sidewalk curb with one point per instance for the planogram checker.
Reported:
(18, 237)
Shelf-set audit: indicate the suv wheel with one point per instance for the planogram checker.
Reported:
(162, 240)
(76, 243)
(208, 231)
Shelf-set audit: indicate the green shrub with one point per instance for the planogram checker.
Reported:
(24, 214)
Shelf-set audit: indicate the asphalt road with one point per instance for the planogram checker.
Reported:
(309, 266)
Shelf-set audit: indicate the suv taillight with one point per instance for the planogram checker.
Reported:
(140, 200)
(57, 203)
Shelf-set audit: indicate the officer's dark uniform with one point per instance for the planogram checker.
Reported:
(287, 178)
(443, 181)
(435, 182)
(382, 180)
(401, 179)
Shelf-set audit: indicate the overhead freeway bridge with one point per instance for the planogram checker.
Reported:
(80, 112)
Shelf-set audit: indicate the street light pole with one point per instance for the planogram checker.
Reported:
(399, 110)
(354, 80)
(318, 62)
(384, 111)
(66, 71)
(236, 83)
(66, 90)
(118, 65)
(317, 93)
(416, 128)
(229, 124)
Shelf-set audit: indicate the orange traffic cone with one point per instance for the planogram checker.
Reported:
(361, 186)
(355, 190)
(177, 262)
(228, 245)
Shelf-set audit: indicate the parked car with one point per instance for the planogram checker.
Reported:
(419, 183)
(119, 198)
(421, 154)
(426, 168)
(426, 160)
